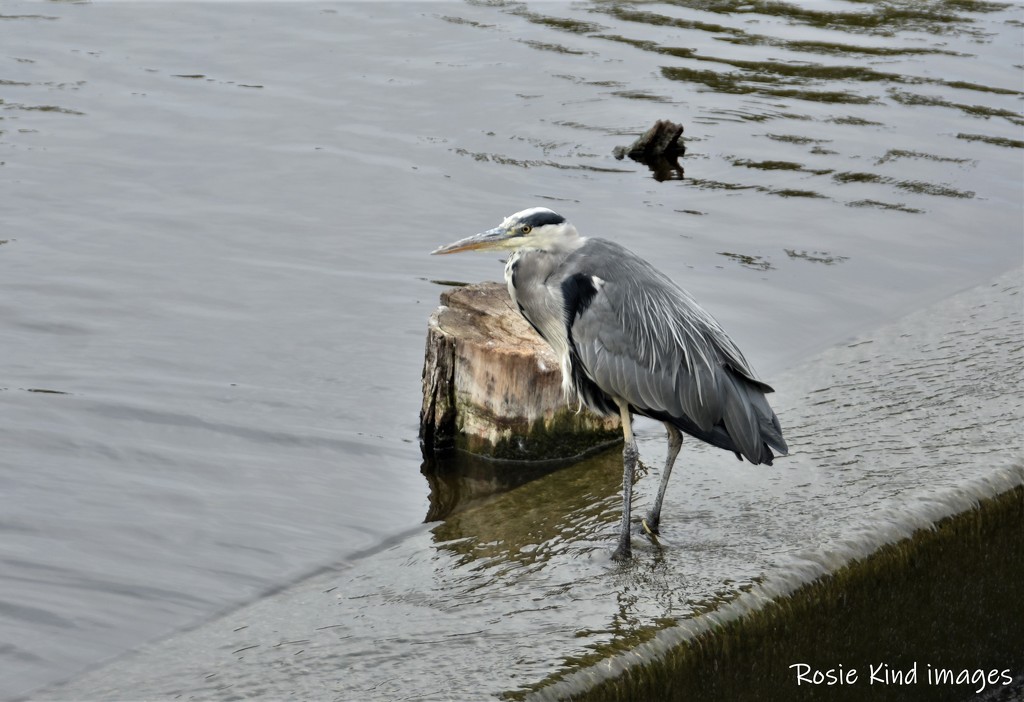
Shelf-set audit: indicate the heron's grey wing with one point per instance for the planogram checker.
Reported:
(641, 338)
(628, 351)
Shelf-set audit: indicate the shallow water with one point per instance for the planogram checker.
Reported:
(214, 283)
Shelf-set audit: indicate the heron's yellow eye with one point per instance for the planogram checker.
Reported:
(525, 229)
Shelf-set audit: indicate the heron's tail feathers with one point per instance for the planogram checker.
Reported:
(749, 420)
(734, 416)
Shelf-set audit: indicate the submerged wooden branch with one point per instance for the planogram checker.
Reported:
(659, 148)
(492, 387)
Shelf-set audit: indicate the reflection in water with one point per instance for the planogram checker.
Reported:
(663, 167)
(997, 141)
(816, 256)
(541, 550)
(540, 529)
(459, 480)
(757, 263)
(788, 74)
(570, 509)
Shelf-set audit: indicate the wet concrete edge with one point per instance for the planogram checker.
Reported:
(946, 597)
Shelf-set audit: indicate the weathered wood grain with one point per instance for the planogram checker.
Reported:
(492, 386)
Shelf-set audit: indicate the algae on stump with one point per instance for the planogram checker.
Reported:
(493, 387)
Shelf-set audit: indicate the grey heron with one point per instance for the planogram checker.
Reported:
(631, 341)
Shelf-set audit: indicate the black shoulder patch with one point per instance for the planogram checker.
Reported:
(578, 292)
(539, 219)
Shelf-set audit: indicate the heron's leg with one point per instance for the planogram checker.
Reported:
(629, 458)
(675, 442)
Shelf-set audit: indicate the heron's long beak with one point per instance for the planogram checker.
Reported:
(490, 239)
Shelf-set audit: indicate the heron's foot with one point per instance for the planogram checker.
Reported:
(623, 553)
(651, 531)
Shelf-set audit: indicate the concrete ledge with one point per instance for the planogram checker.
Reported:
(911, 621)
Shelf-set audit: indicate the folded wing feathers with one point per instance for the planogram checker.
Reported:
(652, 345)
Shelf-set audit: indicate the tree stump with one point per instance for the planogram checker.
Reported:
(493, 387)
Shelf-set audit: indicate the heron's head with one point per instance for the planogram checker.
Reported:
(535, 228)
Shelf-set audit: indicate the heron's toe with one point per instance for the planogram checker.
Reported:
(622, 553)
(650, 525)
(651, 530)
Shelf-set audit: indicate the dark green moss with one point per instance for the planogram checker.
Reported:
(565, 436)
